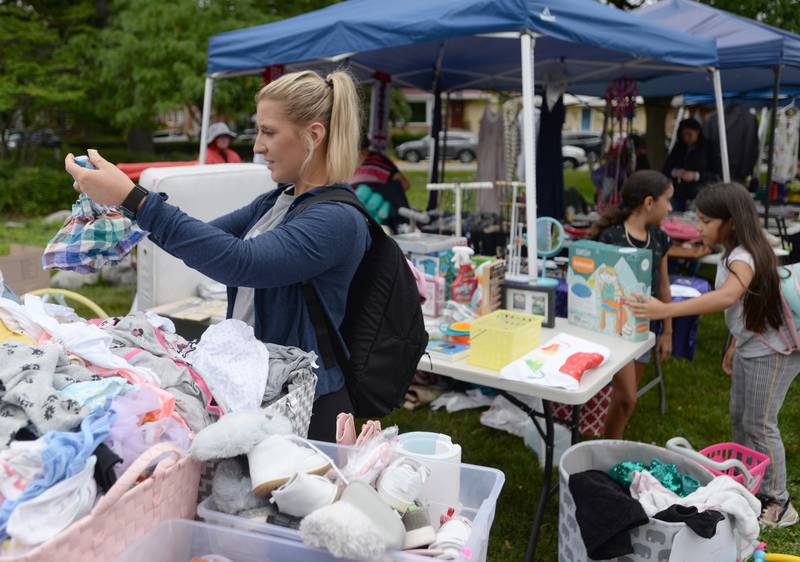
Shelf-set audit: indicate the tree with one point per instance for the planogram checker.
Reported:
(780, 13)
(152, 56)
(40, 60)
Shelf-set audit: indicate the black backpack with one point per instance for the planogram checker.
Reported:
(383, 327)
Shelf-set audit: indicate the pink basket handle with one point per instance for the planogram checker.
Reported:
(683, 447)
(135, 471)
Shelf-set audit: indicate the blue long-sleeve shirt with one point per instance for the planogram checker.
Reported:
(323, 245)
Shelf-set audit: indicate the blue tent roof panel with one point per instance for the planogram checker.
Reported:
(740, 42)
(404, 39)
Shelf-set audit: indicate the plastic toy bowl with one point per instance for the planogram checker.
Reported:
(457, 332)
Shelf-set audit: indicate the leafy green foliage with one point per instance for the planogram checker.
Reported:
(33, 191)
(152, 56)
(41, 52)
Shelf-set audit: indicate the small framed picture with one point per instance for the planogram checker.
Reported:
(531, 299)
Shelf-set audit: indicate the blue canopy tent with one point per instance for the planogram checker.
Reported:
(441, 45)
(444, 45)
(752, 56)
(758, 99)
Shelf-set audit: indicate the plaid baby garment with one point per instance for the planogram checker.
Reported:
(91, 237)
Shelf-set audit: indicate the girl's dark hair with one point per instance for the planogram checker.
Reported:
(637, 188)
(689, 123)
(733, 204)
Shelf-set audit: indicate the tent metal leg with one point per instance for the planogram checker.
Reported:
(527, 43)
(206, 120)
(723, 135)
(776, 91)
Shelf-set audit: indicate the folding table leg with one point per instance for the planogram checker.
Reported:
(544, 495)
(662, 390)
(576, 421)
(657, 381)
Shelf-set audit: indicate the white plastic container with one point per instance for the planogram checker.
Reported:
(180, 540)
(423, 243)
(438, 452)
(477, 497)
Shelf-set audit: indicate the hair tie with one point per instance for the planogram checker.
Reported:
(329, 82)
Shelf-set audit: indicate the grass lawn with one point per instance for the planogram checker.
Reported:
(697, 406)
(418, 194)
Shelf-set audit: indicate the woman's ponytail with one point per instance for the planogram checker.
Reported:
(345, 130)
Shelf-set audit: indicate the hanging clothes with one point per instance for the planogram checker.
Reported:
(512, 137)
(742, 134)
(491, 159)
(549, 166)
(787, 135)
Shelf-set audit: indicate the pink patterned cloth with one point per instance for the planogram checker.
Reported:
(679, 230)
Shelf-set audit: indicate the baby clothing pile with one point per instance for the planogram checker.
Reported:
(372, 504)
(609, 505)
(81, 401)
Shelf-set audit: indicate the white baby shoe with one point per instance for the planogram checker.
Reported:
(304, 494)
(452, 537)
(277, 458)
(401, 483)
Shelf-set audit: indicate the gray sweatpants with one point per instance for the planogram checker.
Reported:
(758, 389)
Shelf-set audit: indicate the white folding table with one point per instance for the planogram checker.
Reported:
(622, 353)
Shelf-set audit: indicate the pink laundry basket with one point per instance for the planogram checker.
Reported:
(744, 465)
(128, 511)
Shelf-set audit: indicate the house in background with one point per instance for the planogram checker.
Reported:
(585, 114)
(466, 110)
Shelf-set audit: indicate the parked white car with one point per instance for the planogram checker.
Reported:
(169, 136)
(573, 156)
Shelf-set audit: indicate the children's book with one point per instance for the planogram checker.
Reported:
(447, 350)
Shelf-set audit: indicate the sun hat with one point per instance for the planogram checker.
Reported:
(218, 130)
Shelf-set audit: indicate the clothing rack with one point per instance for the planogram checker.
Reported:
(458, 188)
(514, 257)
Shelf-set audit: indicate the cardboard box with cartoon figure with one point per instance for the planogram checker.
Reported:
(602, 281)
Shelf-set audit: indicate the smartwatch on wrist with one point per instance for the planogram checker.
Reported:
(131, 204)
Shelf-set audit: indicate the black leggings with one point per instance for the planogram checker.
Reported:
(323, 417)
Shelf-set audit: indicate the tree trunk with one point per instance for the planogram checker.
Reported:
(656, 109)
(140, 139)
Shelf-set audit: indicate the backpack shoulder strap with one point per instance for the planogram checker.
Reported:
(327, 348)
(339, 195)
(328, 345)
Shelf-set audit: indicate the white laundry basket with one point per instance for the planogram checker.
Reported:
(657, 541)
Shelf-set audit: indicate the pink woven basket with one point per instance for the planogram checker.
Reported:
(128, 511)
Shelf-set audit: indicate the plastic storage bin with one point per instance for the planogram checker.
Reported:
(501, 337)
(423, 243)
(653, 541)
(477, 495)
(180, 540)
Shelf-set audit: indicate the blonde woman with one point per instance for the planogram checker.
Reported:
(308, 133)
